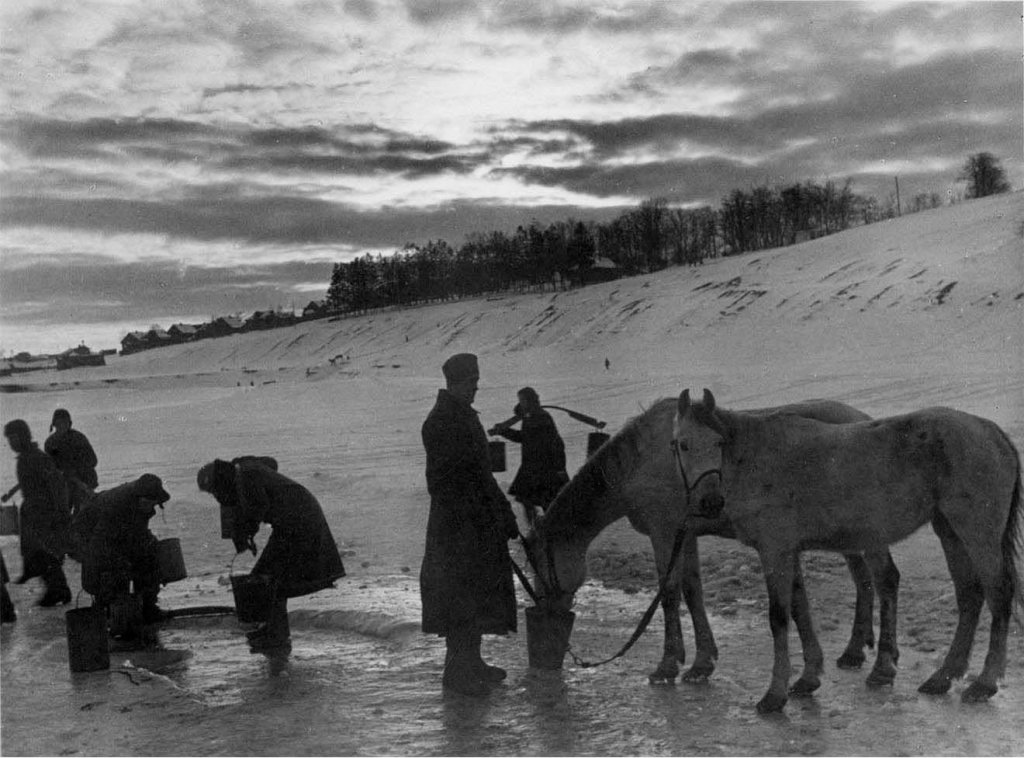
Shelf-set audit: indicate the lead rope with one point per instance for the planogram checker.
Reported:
(648, 614)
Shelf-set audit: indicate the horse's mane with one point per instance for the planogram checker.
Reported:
(572, 510)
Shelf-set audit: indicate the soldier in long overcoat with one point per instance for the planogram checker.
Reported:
(542, 470)
(118, 551)
(301, 556)
(45, 518)
(466, 575)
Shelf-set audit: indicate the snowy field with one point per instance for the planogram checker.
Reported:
(919, 311)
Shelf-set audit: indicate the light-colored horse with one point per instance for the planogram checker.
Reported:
(789, 483)
(634, 475)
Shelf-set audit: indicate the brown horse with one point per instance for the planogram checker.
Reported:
(634, 475)
(790, 483)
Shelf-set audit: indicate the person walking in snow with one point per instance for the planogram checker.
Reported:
(45, 517)
(542, 471)
(301, 556)
(74, 456)
(466, 575)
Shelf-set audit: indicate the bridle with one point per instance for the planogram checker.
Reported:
(676, 446)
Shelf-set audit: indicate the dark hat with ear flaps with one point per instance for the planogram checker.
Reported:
(151, 487)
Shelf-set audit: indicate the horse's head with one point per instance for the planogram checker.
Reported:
(697, 441)
(559, 561)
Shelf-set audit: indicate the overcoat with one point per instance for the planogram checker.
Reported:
(542, 471)
(301, 556)
(112, 532)
(466, 575)
(45, 517)
(74, 455)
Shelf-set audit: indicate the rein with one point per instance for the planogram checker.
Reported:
(648, 614)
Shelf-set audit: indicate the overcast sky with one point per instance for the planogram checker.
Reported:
(172, 161)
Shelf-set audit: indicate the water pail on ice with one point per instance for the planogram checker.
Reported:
(496, 452)
(253, 595)
(170, 562)
(547, 636)
(9, 521)
(227, 522)
(126, 615)
(87, 639)
(595, 440)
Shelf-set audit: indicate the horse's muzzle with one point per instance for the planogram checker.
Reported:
(710, 506)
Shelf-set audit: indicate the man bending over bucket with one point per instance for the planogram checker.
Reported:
(301, 556)
(466, 576)
(118, 550)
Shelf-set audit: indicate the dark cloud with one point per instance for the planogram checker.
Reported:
(223, 215)
(545, 17)
(90, 289)
(439, 11)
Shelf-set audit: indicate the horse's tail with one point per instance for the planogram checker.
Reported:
(1013, 544)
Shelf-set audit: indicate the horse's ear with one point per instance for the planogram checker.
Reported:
(709, 400)
(684, 402)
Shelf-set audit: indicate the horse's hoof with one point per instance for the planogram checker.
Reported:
(978, 693)
(656, 678)
(850, 660)
(880, 678)
(698, 674)
(937, 684)
(665, 673)
(771, 703)
(804, 687)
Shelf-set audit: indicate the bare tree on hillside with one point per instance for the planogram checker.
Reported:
(984, 176)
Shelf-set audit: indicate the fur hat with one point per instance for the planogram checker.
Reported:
(60, 413)
(151, 487)
(17, 428)
(461, 367)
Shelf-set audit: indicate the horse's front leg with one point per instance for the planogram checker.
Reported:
(778, 572)
(675, 652)
(814, 657)
(693, 592)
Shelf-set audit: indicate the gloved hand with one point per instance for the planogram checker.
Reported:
(243, 544)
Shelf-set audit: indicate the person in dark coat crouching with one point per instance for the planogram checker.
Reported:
(301, 556)
(45, 518)
(118, 551)
(542, 471)
(466, 576)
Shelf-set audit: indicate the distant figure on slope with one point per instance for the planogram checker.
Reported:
(119, 553)
(301, 556)
(607, 364)
(45, 518)
(74, 456)
(542, 471)
(466, 575)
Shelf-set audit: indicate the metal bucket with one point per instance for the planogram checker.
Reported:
(547, 636)
(496, 452)
(87, 639)
(253, 595)
(170, 561)
(9, 521)
(595, 440)
(126, 616)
